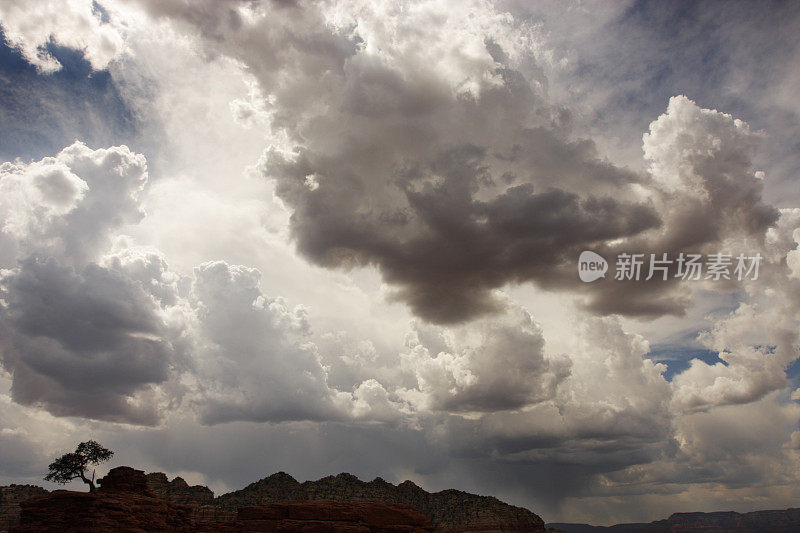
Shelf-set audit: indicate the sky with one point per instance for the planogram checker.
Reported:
(240, 237)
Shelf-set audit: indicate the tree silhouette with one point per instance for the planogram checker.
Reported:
(74, 465)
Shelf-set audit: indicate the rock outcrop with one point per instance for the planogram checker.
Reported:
(123, 503)
(178, 491)
(198, 498)
(125, 479)
(450, 511)
(325, 517)
(10, 498)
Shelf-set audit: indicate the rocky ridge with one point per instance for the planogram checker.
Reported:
(449, 511)
(125, 504)
(199, 498)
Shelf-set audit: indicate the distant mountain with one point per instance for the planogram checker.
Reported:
(782, 521)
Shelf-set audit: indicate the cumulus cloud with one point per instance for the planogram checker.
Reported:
(758, 340)
(709, 199)
(496, 364)
(81, 335)
(82, 343)
(701, 160)
(255, 361)
(35, 197)
(96, 327)
(71, 205)
(754, 345)
(610, 411)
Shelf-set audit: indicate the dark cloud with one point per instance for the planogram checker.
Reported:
(453, 178)
(81, 343)
(447, 229)
(455, 186)
(442, 247)
(23, 456)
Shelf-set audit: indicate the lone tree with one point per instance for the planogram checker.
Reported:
(75, 464)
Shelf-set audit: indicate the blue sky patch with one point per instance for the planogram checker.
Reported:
(42, 113)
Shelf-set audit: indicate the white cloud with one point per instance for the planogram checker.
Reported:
(493, 364)
(758, 340)
(253, 358)
(72, 204)
(73, 24)
(702, 160)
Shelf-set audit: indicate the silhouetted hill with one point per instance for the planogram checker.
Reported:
(124, 503)
(448, 510)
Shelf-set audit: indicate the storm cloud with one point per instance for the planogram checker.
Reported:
(451, 172)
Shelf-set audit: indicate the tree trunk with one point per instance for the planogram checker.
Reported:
(89, 482)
